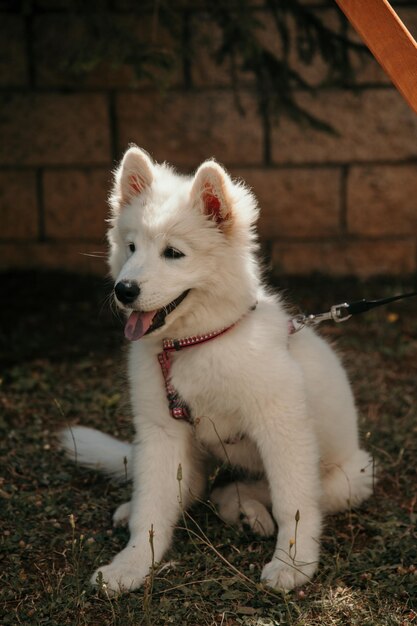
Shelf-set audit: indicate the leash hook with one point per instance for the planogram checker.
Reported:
(343, 311)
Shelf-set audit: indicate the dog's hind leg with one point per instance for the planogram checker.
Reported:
(348, 484)
(121, 514)
(245, 503)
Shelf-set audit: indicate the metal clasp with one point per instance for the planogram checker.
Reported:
(338, 313)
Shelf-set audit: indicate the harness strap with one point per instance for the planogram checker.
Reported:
(177, 407)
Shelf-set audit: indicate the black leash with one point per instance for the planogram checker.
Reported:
(342, 312)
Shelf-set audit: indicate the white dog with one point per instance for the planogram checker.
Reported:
(215, 369)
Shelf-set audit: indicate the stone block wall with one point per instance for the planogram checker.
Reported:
(341, 203)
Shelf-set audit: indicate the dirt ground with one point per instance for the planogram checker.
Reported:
(62, 361)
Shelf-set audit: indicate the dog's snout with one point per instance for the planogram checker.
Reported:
(127, 291)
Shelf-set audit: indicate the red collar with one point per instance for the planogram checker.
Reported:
(187, 342)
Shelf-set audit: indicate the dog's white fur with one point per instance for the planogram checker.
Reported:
(287, 395)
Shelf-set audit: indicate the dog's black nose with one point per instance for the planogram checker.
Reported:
(127, 291)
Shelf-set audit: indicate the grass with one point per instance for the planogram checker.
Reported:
(62, 362)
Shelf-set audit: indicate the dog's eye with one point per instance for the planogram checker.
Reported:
(172, 253)
(132, 247)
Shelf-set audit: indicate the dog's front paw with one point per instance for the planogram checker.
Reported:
(126, 572)
(287, 575)
(117, 578)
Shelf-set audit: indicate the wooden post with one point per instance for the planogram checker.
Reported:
(389, 41)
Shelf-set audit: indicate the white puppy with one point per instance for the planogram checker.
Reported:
(241, 386)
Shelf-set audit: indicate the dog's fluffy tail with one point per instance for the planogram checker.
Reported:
(96, 450)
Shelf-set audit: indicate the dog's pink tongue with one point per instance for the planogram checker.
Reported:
(137, 324)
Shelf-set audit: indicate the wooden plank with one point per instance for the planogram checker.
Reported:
(389, 41)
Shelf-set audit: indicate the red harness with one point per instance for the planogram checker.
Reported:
(338, 313)
(177, 407)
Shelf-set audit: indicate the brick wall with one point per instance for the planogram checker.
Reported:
(342, 204)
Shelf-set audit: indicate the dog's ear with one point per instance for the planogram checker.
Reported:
(209, 191)
(133, 177)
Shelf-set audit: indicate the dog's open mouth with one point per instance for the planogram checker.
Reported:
(142, 323)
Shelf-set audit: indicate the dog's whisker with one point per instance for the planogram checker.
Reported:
(95, 255)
